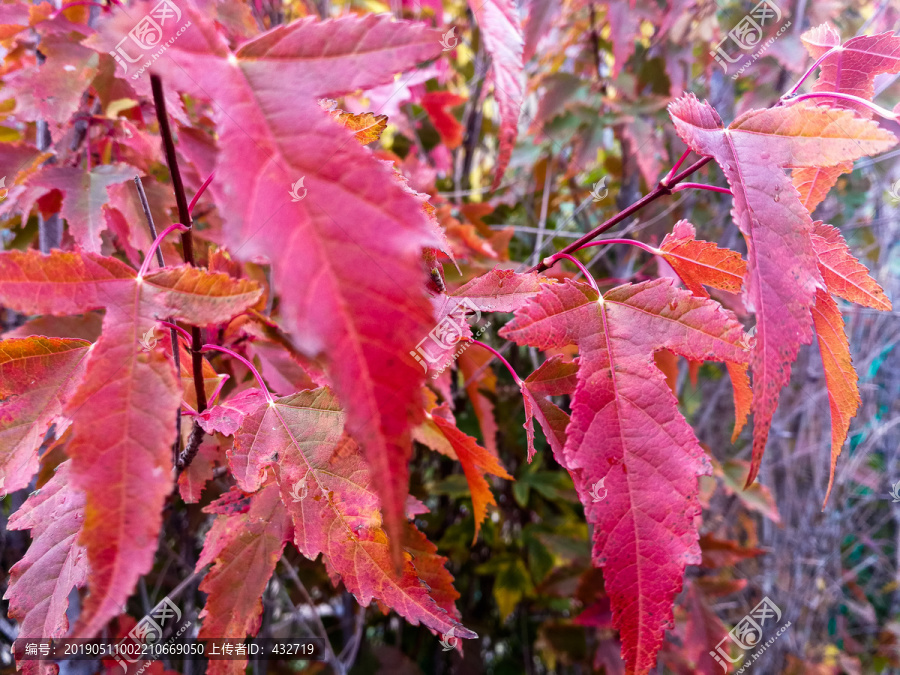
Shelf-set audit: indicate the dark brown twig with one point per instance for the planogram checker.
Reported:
(145, 205)
(663, 188)
(187, 244)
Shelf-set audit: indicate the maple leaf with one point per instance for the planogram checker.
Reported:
(847, 278)
(782, 275)
(329, 492)
(850, 68)
(475, 462)
(227, 417)
(698, 263)
(626, 434)
(501, 31)
(85, 193)
(200, 471)
(330, 247)
(52, 91)
(54, 564)
(244, 550)
(555, 377)
(367, 127)
(501, 290)
(123, 407)
(448, 127)
(36, 375)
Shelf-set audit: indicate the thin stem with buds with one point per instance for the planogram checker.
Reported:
(161, 261)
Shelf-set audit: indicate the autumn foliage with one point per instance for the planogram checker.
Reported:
(267, 377)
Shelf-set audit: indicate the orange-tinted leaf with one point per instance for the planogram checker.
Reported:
(840, 377)
(123, 407)
(724, 552)
(329, 492)
(476, 462)
(244, 550)
(448, 127)
(782, 274)
(700, 263)
(851, 69)
(743, 396)
(36, 375)
(367, 127)
(474, 364)
(843, 274)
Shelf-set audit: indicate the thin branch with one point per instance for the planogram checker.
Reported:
(663, 188)
(632, 242)
(176, 352)
(329, 655)
(184, 216)
(187, 246)
(250, 366)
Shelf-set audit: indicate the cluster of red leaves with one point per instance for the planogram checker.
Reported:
(355, 264)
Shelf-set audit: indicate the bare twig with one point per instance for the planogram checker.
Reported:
(663, 188)
(176, 448)
(187, 244)
(330, 656)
